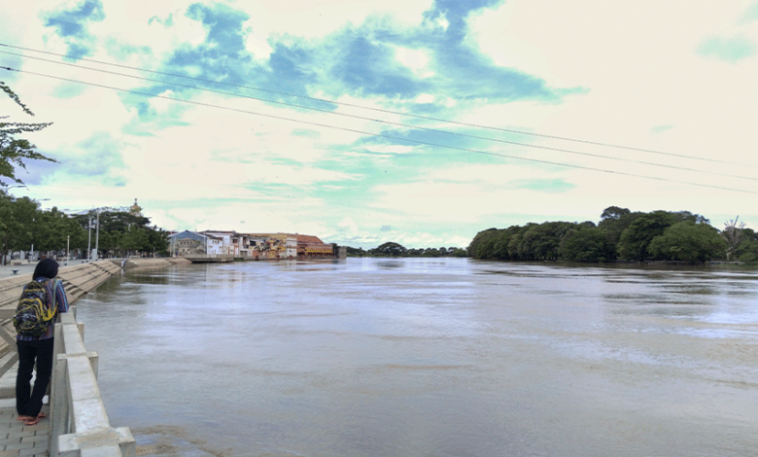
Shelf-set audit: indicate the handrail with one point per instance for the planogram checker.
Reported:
(79, 425)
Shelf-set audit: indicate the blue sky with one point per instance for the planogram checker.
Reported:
(677, 78)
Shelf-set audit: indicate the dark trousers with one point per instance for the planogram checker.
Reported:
(28, 401)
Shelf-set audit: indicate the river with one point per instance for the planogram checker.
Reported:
(429, 357)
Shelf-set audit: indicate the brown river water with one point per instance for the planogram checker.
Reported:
(429, 357)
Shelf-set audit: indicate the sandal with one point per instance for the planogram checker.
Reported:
(24, 418)
(31, 421)
(41, 415)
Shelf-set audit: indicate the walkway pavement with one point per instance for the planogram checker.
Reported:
(25, 268)
(17, 439)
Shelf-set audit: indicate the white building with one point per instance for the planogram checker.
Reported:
(223, 242)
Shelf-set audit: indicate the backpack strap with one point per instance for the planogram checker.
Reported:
(54, 295)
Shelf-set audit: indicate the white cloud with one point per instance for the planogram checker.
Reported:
(390, 149)
(417, 60)
(160, 27)
(311, 20)
(638, 74)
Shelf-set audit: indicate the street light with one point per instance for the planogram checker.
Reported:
(103, 209)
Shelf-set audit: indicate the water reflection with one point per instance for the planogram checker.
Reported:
(448, 357)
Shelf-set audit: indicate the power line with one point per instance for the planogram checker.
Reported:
(380, 135)
(398, 124)
(381, 110)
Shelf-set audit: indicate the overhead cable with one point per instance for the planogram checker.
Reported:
(397, 124)
(382, 110)
(380, 135)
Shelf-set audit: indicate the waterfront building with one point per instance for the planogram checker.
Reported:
(193, 243)
(229, 244)
(249, 245)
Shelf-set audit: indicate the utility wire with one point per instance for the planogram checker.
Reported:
(379, 135)
(398, 113)
(382, 121)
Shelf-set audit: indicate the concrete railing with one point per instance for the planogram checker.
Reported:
(79, 425)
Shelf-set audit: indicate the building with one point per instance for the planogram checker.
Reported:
(249, 245)
(193, 243)
(228, 242)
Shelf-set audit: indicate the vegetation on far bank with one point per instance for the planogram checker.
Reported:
(23, 224)
(621, 235)
(397, 250)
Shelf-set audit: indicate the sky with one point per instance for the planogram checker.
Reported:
(421, 122)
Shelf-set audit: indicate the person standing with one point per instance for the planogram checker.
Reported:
(38, 349)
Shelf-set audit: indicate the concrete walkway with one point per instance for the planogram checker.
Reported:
(17, 439)
(26, 268)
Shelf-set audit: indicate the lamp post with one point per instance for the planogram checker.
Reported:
(97, 235)
(68, 252)
(89, 239)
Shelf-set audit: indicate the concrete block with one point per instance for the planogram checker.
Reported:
(30, 451)
(29, 430)
(126, 442)
(41, 441)
(9, 453)
(31, 440)
(20, 434)
(100, 444)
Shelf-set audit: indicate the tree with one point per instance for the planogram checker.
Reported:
(515, 245)
(14, 152)
(359, 252)
(682, 216)
(614, 221)
(157, 240)
(689, 242)
(502, 242)
(747, 249)
(542, 242)
(17, 217)
(135, 239)
(731, 234)
(587, 244)
(389, 249)
(476, 249)
(614, 213)
(635, 239)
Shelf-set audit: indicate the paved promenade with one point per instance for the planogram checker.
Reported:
(26, 268)
(17, 439)
(7, 270)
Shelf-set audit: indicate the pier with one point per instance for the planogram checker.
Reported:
(77, 423)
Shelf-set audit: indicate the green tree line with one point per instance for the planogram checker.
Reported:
(620, 235)
(392, 249)
(23, 224)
